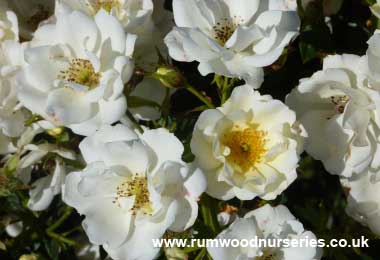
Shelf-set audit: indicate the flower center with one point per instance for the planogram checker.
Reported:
(340, 102)
(107, 5)
(81, 72)
(137, 187)
(224, 29)
(247, 147)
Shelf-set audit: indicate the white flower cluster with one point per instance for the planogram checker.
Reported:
(74, 72)
(339, 108)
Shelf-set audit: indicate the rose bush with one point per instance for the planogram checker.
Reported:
(124, 123)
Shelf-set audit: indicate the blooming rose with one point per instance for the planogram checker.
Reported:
(11, 59)
(248, 147)
(341, 113)
(12, 117)
(130, 13)
(266, 223)
(134, 188)
(234, 38)
(45, 188)
(364, 199)
(75, 78)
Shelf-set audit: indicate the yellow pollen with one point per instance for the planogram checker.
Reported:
(107, 5)
(81, 72)
(137, 187)
(247, 147)
(225, 28)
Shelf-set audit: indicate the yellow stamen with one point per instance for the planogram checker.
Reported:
(137, 187)
(81, 72)
(107, 5)
(247, 147)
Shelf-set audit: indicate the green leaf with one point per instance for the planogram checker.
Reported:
(308, 52)
(52, 248)
(209, 211)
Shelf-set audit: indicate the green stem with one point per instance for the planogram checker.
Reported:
(78, 228)
(50, 230)
(60, 238)
(64, 216)
(199, 95)
(224, 97)
(201, 254)
(224, 85)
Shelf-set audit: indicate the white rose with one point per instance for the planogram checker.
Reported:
(45, 188)
(8, 24)
(248, 147)
(131, 13)
(12, 117)
(76, 70)
(234, 38)
(134, 188)
(147, 19)
(364, 199)
(340, 113)
(266, 223)
(373, 60)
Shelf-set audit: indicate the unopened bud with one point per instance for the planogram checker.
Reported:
(169, 76)
(55, 131)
